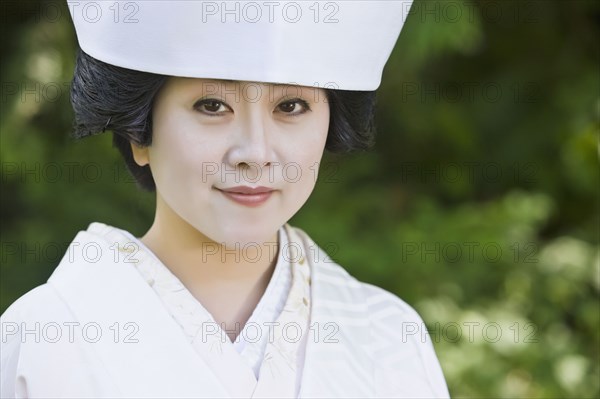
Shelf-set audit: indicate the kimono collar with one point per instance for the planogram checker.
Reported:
(100, 285)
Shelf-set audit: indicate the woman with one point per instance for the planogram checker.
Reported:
(225, 117)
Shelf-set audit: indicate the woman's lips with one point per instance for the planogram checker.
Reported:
(248, 196)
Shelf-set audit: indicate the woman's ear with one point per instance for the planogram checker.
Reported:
(140, 154)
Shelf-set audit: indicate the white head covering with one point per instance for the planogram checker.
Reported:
(331, 44)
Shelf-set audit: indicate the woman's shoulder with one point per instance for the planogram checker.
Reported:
(44, 301)
(406, 363)
(376, 298)
(41, 302)
(384, 302)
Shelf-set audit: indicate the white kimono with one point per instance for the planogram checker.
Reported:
(112, 321)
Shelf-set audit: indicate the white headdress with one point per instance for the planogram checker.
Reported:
(333, 44)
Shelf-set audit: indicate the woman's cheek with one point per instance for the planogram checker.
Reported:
(179, 152)
(309, 166)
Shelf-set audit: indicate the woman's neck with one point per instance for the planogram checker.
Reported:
(228, 282)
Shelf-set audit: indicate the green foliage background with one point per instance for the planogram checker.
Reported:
(479, 205)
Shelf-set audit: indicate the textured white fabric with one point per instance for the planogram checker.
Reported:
(278, 375)
(268, 309)
(355, 346)
(249, 345)
(339, 45)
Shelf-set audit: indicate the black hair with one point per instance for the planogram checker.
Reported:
(107, 97)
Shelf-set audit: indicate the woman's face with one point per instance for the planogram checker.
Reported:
(211, 136)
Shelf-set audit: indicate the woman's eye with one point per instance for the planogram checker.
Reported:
(211, 106)
(294, 107)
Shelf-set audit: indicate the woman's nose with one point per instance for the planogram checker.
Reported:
(252, 143)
